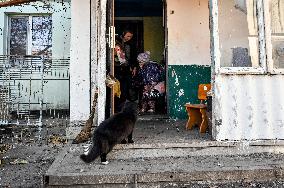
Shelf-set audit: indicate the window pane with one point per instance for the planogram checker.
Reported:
(277, 32)
(18, 35)
(42, 35)
(238, 33)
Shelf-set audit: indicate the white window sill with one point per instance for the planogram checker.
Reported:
(240, 70)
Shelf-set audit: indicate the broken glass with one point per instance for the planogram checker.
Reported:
(18, 35)
(41, 35)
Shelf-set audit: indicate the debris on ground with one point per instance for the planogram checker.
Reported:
(19, 161)
(54, 139)
(4, 148)
(86, 133)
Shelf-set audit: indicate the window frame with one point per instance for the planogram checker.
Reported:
(267, 22)
(262, 69)
(29, 30)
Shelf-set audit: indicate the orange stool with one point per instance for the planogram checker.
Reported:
(197, 112)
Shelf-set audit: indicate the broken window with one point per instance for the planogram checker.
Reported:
(238, 33)
(30, 35)
(41, 35)
(18, 35)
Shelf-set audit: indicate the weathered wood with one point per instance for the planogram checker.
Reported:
(101, 61)
(14, 2)
(251, 17)
(86, 131)
(261, 34)
(268, 19)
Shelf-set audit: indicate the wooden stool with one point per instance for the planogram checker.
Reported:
(197, 116)
(197, 112)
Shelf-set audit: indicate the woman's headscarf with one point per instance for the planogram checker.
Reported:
(144, 57)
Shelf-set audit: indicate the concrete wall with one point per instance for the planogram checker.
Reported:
(154, 37)
(80, 60)
(188, 52)
(188, 32)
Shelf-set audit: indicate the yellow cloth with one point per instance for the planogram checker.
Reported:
(116, 89)
(113, 83)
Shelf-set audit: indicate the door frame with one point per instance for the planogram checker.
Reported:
(98, 27)
(98, 56)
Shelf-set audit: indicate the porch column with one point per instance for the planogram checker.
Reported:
(80, 62)
(98, 57)
(101, 76)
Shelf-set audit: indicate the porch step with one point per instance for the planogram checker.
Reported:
(169, 164)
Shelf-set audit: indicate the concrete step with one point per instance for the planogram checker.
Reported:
(170, 164)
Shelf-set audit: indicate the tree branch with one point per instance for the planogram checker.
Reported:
(14, 2)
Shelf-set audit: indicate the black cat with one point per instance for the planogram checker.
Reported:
(112, 131)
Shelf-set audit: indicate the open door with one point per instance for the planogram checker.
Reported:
(147, 20)
(110, 35)
(165, 55)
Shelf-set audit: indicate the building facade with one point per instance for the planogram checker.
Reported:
(235, 45)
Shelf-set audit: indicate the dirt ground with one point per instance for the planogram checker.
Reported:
(26, 152)
(25, 157)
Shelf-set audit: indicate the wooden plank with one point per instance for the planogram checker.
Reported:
(261, 34)
(14, 2)
(268, 36)
(101, 76)
(251, 17)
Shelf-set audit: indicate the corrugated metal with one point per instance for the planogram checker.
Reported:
(249, 107)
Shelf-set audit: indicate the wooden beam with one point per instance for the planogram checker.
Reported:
(14, 2)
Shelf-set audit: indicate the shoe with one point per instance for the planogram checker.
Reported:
(142, 110)
(105, 163)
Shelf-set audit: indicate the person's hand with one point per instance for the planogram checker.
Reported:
(147, 87)
(134, 71)
(154, 83)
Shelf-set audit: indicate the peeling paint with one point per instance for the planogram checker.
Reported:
(188, 76)
(181, 92)
(247, 108)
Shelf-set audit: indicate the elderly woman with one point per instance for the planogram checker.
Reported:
(151, 75)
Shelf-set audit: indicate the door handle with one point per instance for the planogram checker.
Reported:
(111, 37)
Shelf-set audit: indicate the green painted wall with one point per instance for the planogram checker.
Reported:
(154, 37)
(183, 81)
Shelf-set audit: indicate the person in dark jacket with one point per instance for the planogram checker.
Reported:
(124, 68)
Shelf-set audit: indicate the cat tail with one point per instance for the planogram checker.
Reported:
(93, 153)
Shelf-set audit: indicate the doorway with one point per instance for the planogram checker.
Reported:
(145, 19)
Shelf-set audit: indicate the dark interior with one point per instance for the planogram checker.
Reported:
(127, 9)
(138, 8)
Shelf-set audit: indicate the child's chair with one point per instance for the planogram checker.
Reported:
(197, 112)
